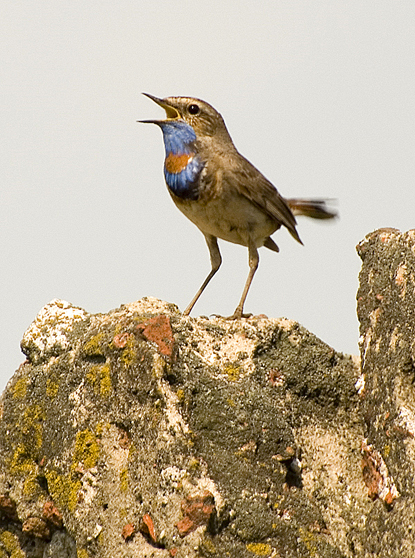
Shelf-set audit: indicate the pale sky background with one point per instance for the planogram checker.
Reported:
(319, 95)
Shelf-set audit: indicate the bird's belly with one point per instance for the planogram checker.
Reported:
(234, 219)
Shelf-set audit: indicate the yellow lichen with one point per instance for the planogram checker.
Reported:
(99, 429)
(260, 549)
(94, 347)
(310, 542)
(52, 388)
(91, 377)
(86, 450)
(26, 453)
(82, 553)
(63, 489)
(31, 425)
(208, 546)
(105, 383)
(193, 464)
(99, 377)
(233, 371)
(31, 486)
(20, 388)
(132, 450)
(129, 352)
(124, 479)
(21, 463)
(11, 544)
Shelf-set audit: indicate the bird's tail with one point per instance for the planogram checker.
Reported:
(315, 208)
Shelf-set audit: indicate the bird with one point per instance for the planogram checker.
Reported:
(220, 191)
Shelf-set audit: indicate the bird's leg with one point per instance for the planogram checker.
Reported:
(253, 266)
(216, 260)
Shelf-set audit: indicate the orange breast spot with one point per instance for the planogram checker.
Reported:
(176, 163)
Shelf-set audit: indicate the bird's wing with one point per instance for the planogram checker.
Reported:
(249, 182)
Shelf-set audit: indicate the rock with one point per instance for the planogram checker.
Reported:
(386, 310)
(215, 438)
(144, 433)
(36, 527)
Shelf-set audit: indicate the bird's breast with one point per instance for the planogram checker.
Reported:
(175, 163)
(182, 173)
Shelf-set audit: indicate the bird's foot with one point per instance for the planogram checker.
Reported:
(235, 316)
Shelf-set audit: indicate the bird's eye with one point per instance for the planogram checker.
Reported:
(193, 109)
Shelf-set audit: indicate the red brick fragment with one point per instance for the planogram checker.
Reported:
(121, 339)
(52, 514)
(376, 477)
(128, 531)
(371, 475)
(186, 526)
(158, 330)
(147, 527)
(197, 511)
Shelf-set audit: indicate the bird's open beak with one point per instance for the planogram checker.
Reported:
(171, 112)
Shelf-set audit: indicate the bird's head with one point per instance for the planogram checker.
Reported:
(201, 116)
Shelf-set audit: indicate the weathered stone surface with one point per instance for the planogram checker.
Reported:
(386, 310)
(143, 433)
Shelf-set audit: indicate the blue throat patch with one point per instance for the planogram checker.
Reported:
(182, 166)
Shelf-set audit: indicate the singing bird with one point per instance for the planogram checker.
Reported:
(220, 191)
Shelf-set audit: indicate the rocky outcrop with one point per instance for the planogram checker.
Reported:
(386, 310)
(143, 433)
